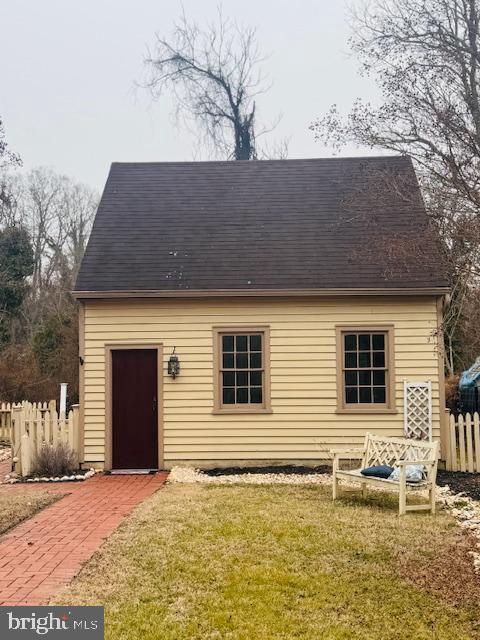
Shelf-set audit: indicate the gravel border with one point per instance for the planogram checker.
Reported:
(189, 475)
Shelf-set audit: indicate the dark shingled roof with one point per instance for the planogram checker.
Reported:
(337, 223)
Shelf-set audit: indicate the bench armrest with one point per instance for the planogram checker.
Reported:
(345, 454)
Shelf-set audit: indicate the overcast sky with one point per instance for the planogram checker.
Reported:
(69, 68)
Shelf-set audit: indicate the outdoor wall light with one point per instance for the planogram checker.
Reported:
(173, 365)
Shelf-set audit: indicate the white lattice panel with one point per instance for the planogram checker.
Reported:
(418, 410)
(390, 451)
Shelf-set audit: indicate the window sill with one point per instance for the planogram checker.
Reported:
(367, 410)
(244, 412)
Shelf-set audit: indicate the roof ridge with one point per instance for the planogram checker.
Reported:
(263, 161)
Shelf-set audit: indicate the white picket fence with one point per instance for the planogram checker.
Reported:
(463, 443)
(6, 409)
(35, 424)
(5, 422)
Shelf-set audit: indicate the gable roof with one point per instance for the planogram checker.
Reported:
(183, 228)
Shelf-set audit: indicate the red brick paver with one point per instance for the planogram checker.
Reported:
(44, 553)
(5, 467)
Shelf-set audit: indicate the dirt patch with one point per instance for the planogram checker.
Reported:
(459, 482)
(455, 580)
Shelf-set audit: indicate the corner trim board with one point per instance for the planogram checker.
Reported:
(81, 382)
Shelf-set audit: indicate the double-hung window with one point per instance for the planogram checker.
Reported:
(242, 382)
(365, 373)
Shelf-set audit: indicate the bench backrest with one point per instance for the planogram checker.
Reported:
(381, 450)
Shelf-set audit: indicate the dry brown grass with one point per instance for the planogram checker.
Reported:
(281, 562)
(448, 572)
(16, 506)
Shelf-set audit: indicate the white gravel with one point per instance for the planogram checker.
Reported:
(188, 475)
(467, 514)
(5, 453)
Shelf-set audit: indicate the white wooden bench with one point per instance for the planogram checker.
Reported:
(394, 452)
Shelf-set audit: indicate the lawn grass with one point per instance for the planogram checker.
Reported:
(281, 562)
(16, 506)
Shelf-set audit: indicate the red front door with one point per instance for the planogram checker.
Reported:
(134, 409)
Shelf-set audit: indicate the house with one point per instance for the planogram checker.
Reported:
(294, 296)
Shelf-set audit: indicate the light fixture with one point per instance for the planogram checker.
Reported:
(173, 365)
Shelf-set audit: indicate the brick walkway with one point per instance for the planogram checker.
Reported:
(44, 553)
(5, 467)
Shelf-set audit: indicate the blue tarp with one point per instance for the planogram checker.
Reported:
(471, 377)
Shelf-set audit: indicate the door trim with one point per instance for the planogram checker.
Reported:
(114, 346)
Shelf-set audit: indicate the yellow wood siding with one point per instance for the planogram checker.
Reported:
(304, 423)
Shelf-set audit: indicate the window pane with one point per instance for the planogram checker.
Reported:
(364, 342)
(228, 379)
(378, 342)
(256, 343)
(364, 359)
(351, 395)
(350, 342)
(256, 395)
(379, 394)
(242, 395)
(379, 378)
(242, 379)
(378, 359)
(351, 378)
(228, 362)
(365, 378)
(227, 343)
(229, 396)
(241, 343)
(350, 360)
(365, 394)
(256, 378)
(242, 361)
(255, 361)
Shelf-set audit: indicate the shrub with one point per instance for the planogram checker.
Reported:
(54, 460)
(452, 394)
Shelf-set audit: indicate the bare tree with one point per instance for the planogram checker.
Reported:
(7, 159)
(8, 202)
(7, 156)
(58, 213)
(49, 218)
(215, 77)
(79, 204)
(425, 57)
